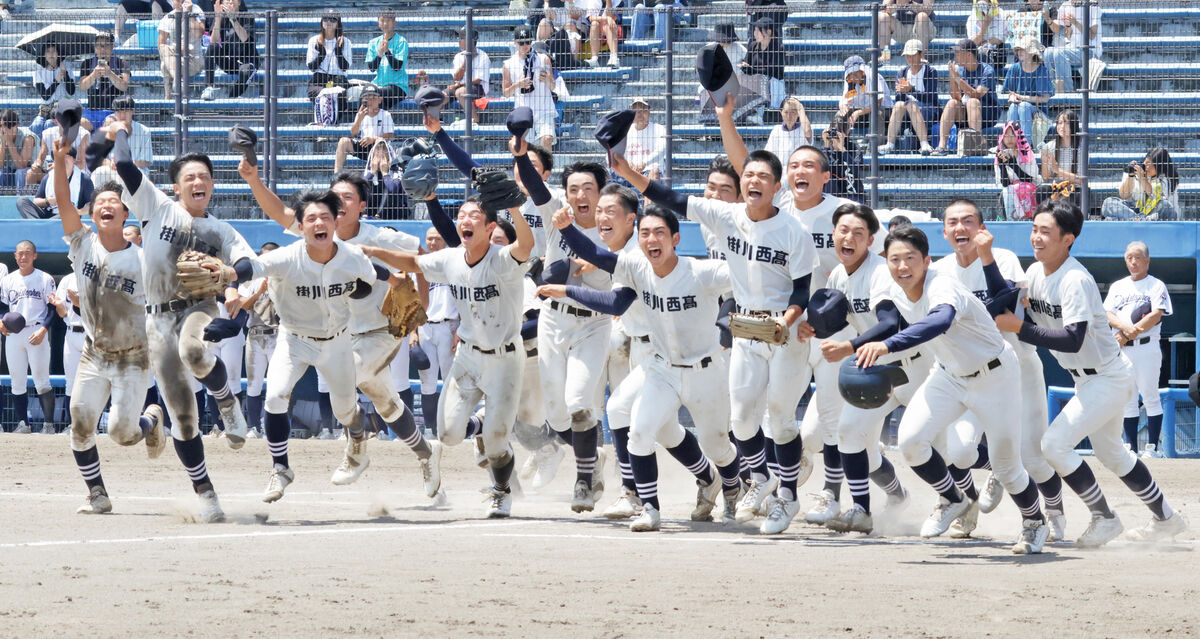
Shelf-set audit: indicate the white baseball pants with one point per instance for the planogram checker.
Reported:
(437, 340)
(495, 378)
(701, 389)
(779, 374)
(259, 347)
(122, 376)
(1094, 412)
(1147, 364)
(25, 358)
(333, 359)
(72, 350)
(178, 356)
(572, 352)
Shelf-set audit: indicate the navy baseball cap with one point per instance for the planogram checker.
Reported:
(430, 99)
(612, 131)
(519, 121)
(1140, 311)
(1003, 301)
(243, 140)
(419, 358)
(716, 73)
(68, 114)
(827, 311)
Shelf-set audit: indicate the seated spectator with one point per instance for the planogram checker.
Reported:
(854, 107)
(647, 142)
(987, 27)
(17, 145)
(371, 124)
(763, 71)
(138, 8)
(52, 79)
(1067, 53)
(1062, 159)
(1016, 173)
(45, 160)
(1027, 83)
(139, 141)
(528, 77)
(105, 77)
(328, 57)
(168, 49)
(481, 72)
(595, 17)
(793, 132)
(1149, 190)
(232, 47)
(387, 56)
(387, 200)
(972, 94)
(916, 97)
(642, 22)
(902, 21)
(43, 205)
(776, 11)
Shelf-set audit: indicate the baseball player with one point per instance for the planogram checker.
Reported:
(261, 329)
(683, 366)
(487, 282)
(1065, 314)
(114, 362)
(436, 337)
(28, 291)
(974, 369)
(374, 347)
(1135, 306)
(65, 301)
(231, 352)
(770, 258)
(964, 229)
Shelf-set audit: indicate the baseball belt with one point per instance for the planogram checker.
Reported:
(992, 365)
(507, 348)
(571, 310)
(1138, 342)
(172, 306)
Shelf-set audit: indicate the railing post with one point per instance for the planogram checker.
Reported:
(873, 82)
(669, 110)
(468, 129)
(272, 115)
(185, 78)
(1084, 115)
(178, 110)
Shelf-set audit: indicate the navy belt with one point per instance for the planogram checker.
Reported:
(992, 365)
(571, 310)
(1137, 342)
(645, 339)
(173, 306)
(1082, 372)
(507, 348)
(700, 364)
(76, 329)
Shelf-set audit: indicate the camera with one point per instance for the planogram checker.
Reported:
(1131, 168)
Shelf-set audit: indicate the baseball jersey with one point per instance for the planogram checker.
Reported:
(28, 294)
(1067, 296)
(557, 250)
(869, 284)
(533, 215)
(489, 295)
(972, 339)
(635, 322)
(819, 222)
(441, 304)
(681, 307)
(313, 299)
(262, 312)
(112, 299)
(973, 278)
(1147, 294)
(167, 231)
(764, 257)
(68, 283)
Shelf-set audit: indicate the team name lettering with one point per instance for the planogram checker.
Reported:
(474, 293)
(982, 295)
(111, 282)
(175, 237)
(317, 291)
(861, 305)
(764, 254)
(670, 304)
(714, 254)
(1045, 308)
(823, 240)
(1131, 300)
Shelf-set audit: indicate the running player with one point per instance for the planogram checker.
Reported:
(261, 329)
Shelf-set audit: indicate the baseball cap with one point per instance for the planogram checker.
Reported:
(827, 311)
(968, 45)
(913, 47)
(716, 73)
(522, 35)
(637, 101)
(519, 121)
(370, 90)
(612, 130)
(1029, 43)
(430, 99)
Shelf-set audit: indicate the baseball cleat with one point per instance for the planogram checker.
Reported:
(499, 503)
(752, 501)
(278, 480)
(779, 516)
(210, 508)
(993, 492)
(431, 469)
(583, 499)
(1058, 524)
(855, 519)
(805, 471)
(943, 514)
(549, 458)
(235, 422)
(965, 525)
(156, 438)
(896, 503)
(481, 459)
(22, 428)
(626, 506)
(598, 476)
(1101, 531)
(730, 500)
(706, 498)
(826, 508)
(353, 465)
(1033, 537)
(527, 469)
(1159, 529)
(649, 520)
(96, 503)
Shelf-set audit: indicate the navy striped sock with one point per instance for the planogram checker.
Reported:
(788, 456)
(885, 477)
(278, 429)
(502, 473)
(1130, 426)
(88, 462)
(730, 475)
(1027, 501)
(936, 474)
(1083, 482)
(688, 454)
(621, 446)
(753, 452)
(217, 382)
(191, 454)
(405, 429)
(1051, 490)
(1143, 485)
(982, 461)
(833, 468)
(743, 467)
(856, 466)
(964, 481)
(645, 473)
(584, 444)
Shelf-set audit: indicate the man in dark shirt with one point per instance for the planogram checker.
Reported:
(105, 77)
(43, 206)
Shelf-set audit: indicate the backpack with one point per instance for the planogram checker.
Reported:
(971, 143)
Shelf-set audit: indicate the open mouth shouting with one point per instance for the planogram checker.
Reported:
(198, 195)
(846, 251)
(962, 240)
(800, 184)
(606, 231)
(754, 194)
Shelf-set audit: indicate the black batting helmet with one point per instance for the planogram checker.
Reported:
(869, 387)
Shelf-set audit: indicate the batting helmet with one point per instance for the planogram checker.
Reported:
(869, 387)
(420, 177)
(1140, 311)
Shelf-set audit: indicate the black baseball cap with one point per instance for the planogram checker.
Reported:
(827, 311)
(612, 131)
(968, 45)
(519, 121)
(522, 35)
(716, 73)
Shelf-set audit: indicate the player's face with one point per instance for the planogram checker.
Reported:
(317, 224)
(583, 194)
(498, 237)
(1049, 243)
(960, 226)
(614, 223)
(434, 241)
(1137, 263)
(108, 211)
(852, 239)
(25, 255)
(656, 240)
(194, 187)
(758, 184)
(473, 226)
(721, 187)
(804, 175)
(907, 266)
(131, 235)
(352, 205)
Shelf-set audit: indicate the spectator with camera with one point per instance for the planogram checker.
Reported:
(972, 96)
(845, 161)
(1149, 190)
(328, 57)
(387, 56)
(169, 50)
(854, 107)
(105, 77)
(905, 20)
(1028, 85)
(372, 124)
(139, 141)
(916, 98)
(386, 198)
(17, 146)
(232, 47)
(528, 77)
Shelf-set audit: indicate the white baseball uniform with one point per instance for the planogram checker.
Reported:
(1148, 294)
(74, 339)
(437, 335)
(260, 335)
(231, 352)
(28, 295)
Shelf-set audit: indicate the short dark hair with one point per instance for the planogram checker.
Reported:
(177, 164)
(627, 198)
(911, 236)
(104, 36)
(897, 221)
(596, 169)
(822, 158)
(722, 165)
(387, 13)
(137, 229)
(964, 201)
(9, 117)
(490, 216)
(666, 216)
(507, 227)
(315, 196)
(1067, 215)
(29, 242)
(353, 179)
(111, 186)
(545, 156)
(769, 158)
(860, 211)
(268, 246)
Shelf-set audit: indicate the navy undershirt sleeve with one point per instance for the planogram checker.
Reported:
(130, 174)
(799, 296)
(665, 197)
(244, 270)
(614, 302)
(588, 250)
(938, 321)
(556, 272)
(442, 222)
(1068, 339)
(995, 281)
(455, 153)
(529, 326)
(889, 325)
(532, 181)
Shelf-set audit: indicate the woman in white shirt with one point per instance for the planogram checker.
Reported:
(328, 56)
(795, 131)
(52, 78)
(987, 26)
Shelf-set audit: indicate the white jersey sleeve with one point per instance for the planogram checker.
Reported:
(1067, 296)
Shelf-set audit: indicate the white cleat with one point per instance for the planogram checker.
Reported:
(156, 438)
(527, 469)
(598, 476)
(353, 465)
(853, 520)
(210, 508)
(753, 501)
(1101, 531)
(481, 459)
(1151, 452)
(1034, 533)
(896, 503)
(1159, 529)
(1058, 524)
(965, 525)
(22, 428)
(993, 492)
(499, 503)
(706, 498)
(549, 458)
(779, 516)
(805, 471)
(826, 508)
(943, 514)
(96, 503)
(649, 520)
(431, 469)
(626, 506)
(235, 422)
(583, 499)
(278, 480)
(730, 504)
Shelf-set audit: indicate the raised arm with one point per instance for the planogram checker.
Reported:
(442, 222)
(658, 192)
(735, 147)
(268, 201)
(394, 259)
(62, 190)
(455, 153)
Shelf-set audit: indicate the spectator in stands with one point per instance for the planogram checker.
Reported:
(647, 142)
(372, 124)
(987, 27)
(972, 94)
(17, 144)
(1066, 55)
(845, 161)
(1049, 14)
(105, 77)
(1016, 173)
(642, 22)
(43, 205)
(168, 49)
(387, 56)
(596, 18)
(140, 146)
(52, 78)
(528, 77)
(153, 8)
(793, 132)
(916, 98)
(1027, 83)
(763, 68)
(132, 233)
(905, 20)
(328, 57)
(481, 72)
(45, 160)
(1149, 190)
(855, 104)
(776, 11)
(1062, 159)
(232, 47)
(386, 198)
(725, 35)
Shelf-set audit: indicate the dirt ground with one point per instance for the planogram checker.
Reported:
(376, 559)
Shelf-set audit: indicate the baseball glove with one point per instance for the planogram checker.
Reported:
(497, 191)
(762, 328)
(202, 275)
(403, 309)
